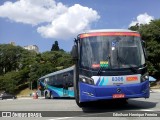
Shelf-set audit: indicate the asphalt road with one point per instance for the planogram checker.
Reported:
(67, 109)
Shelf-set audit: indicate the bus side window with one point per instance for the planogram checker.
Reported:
(50, 80)
(54, 80)
(65, 75)
(70, 79)
(59, 81)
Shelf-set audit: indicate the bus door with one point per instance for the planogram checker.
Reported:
(65, 85)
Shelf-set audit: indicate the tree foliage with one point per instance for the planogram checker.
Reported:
(151, 34)
(19, 67)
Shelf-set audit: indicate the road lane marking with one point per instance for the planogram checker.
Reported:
(93, 114)
(145, 110)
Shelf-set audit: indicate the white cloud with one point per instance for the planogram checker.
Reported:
(142, 19)
(31, 11)
(74, 20)
(63, 22)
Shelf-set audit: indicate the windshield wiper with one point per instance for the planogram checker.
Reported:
(99, 71)
(121, 60)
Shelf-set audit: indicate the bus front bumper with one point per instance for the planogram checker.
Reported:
(94, 93)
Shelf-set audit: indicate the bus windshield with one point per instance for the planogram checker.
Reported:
(111, 52)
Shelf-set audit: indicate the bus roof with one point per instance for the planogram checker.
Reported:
(58, 72)
(108, 32)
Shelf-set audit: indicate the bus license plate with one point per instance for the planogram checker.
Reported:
(118, 95)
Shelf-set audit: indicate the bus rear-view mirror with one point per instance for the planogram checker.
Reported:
(74, 52)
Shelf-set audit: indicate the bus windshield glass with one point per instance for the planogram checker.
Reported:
(111, 52)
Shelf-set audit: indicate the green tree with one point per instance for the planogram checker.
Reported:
(11, 81)
(150, 33)
(14, 66)
(9, 58)
(20, 67)
(48, 62)
(55, 46)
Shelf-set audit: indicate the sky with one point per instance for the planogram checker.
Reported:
(42, 22)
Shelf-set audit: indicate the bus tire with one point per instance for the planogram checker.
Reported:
(124, 101)
(80, 104)
(46, 95)
(51, 96)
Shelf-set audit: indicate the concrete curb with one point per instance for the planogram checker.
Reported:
(22, 98)
(155, 90)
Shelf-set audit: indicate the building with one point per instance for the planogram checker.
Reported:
(13, 43)
(32, 48)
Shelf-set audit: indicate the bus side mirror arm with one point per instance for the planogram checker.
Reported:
(146, 54)
(144, 49)
(143, 44)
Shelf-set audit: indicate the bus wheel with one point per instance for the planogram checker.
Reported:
(80, 104)
(51, 96)
(124, 101)
(46, 95)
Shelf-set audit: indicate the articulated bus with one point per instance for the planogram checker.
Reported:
(109, 64)
(58, 84)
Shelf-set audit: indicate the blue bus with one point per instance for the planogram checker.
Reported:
(109, 64)
(58, 84)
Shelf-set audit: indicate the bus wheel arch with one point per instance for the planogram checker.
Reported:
(77, 97)
(76, 89)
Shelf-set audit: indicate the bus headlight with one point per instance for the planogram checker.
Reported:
(87, 80)
(144, 77)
